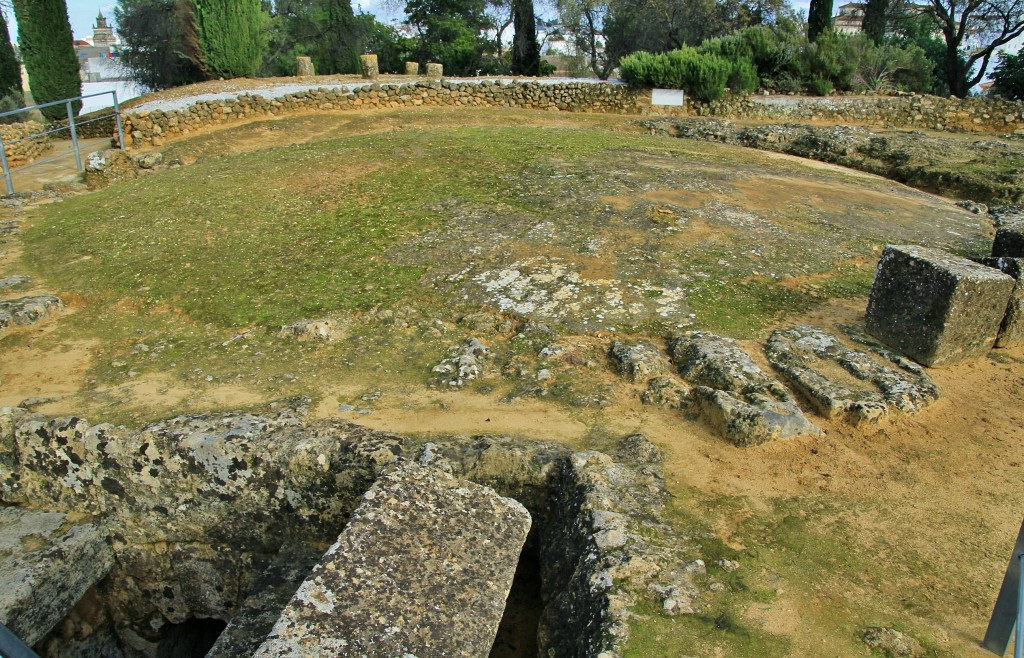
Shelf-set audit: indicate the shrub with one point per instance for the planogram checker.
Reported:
(13, 100)
(820, 86)
(888, 66)
(702, 76)
(829, 58)
(743, 77)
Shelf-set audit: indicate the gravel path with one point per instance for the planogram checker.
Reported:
(280, 89)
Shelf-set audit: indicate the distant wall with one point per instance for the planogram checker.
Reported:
(911, 111)
(152, 128)
(26, 151)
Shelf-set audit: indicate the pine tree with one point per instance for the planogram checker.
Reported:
(819, 18)
(10, 70)
(231, 36)
(875, 19)
(525, 53)
(49, 54)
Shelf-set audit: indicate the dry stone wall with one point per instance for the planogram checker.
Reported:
(910, 111)
(25, 151)
(152, 128)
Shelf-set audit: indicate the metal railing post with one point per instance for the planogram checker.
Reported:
(7, 168)
(74, 137)
(12, 646)
(117, 118)
(1018, 644)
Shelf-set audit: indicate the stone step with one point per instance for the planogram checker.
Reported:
(47, 564)
(743, 402)
(423, 568)
(840, 381)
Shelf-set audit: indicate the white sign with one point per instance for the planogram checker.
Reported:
(673, 97)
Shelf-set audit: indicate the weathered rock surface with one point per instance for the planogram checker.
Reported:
(935, 307)
(463, 364)
(666, 392)
(14, 281)
(1011, 331)
(46, 565)
(892, 643)
(272, 590)
(1009, 238)
(740, 400)
(28, 310)
(638, 362)
(423, 568)
(327, 330)
(840, 381)
(9, 227)
(210, 517)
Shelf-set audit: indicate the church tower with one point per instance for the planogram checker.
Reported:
(102, 34)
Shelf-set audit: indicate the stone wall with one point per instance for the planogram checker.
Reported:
(28, 150)
(910, 111)
(152, 128)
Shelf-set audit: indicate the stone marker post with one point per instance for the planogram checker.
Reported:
(369, 66)
(412, 68)
(304, 66)
(435, 70)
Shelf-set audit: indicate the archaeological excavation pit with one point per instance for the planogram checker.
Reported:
(218, 535)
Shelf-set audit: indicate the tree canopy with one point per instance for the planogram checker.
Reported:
(973, 31)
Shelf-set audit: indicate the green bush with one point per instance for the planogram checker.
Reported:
(829, 58)
(13, 100)
(702, 76)
(743, 77)
(820, 86)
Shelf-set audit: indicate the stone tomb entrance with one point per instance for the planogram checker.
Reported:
(218, 520)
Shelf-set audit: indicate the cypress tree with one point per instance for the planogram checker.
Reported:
(231, 36)
(338, 47)
(10, 70)
(525, 53)
(49, 54)
(875, 19)
(819, 18)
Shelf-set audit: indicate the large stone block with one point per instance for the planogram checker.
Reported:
(423, 568)
(741, 401)
(935, 307)
(45, 568)
(1009, 239)
(1011, 332)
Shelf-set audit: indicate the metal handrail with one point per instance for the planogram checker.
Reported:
(72, 127)
(11, 645)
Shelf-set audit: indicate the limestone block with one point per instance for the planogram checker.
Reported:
(638, 362)
(412, 68)
(423, 568)
(1009, 239)
(304, 66)
(368, 64)
(861, 389)
(741, 401)
(45, 568)
(935, 307)
(1011, 332)
(435, 70)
